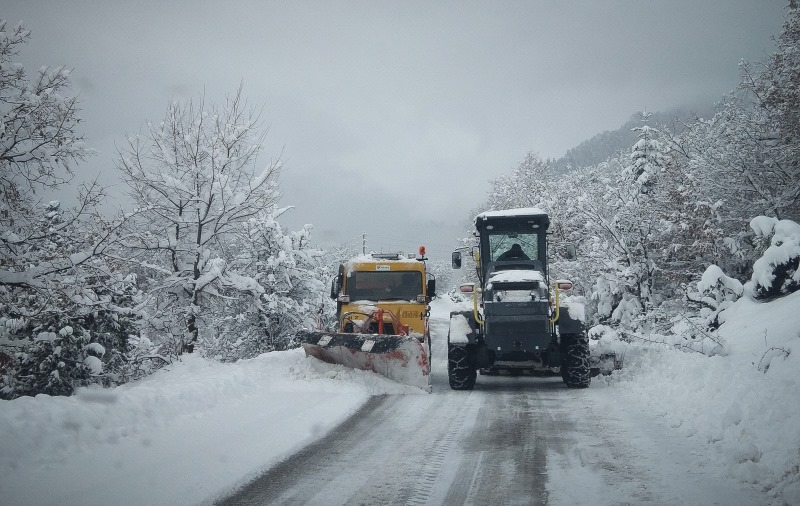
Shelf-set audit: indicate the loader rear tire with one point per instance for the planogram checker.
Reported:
(575, 369)
(459, 368)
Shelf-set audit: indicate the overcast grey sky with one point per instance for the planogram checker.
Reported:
(393, 116)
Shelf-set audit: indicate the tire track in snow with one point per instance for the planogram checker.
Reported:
(287, 483)
(505, 455)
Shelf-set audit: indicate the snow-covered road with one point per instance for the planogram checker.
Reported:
(513, 440)
(670, 428)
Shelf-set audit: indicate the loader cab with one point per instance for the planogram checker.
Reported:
(512, 240)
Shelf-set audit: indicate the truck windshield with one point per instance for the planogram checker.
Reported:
(513, 246)
(384, 285)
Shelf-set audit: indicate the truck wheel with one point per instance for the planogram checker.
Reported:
(575, 360)
(459, 370)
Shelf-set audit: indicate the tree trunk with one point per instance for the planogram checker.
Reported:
(191, 331)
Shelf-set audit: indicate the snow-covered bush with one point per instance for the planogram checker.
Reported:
(777, 272)
(715, 293)
(58, 361)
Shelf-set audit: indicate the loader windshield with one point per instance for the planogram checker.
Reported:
(385, 285)
(513, 246)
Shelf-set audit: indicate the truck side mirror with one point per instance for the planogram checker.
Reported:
(431, 289)
(335, 288)
(456, 260)
(337, 283)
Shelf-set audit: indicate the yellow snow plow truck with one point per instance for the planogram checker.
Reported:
(382, 318)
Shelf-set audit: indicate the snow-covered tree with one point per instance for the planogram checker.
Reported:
(524, 186)
(748, 154)
(195, 177)
(625, 217)
(775, 82)
(283, 277)
(56, 284)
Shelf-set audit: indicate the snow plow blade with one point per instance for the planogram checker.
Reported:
(403, 359)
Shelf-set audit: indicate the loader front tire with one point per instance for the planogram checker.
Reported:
(459, 368)
(575, 369)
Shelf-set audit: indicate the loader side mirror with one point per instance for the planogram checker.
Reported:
(431, 289)
(570, 252)
(456, 260)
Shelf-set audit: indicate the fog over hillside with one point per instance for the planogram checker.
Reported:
(611, 142)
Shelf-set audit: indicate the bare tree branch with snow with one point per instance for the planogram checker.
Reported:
(194, 177)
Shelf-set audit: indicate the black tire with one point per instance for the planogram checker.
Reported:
(575, 369)
(459, 368)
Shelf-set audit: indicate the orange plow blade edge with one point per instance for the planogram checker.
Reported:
(404, 359)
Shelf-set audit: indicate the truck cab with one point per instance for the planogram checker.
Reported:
(392, 282)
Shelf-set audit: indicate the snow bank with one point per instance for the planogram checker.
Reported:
(741, 407)
(180, 436)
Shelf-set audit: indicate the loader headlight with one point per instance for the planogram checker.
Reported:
(344, 299)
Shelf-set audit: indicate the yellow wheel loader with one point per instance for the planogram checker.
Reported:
(382, 318)
(519, 321)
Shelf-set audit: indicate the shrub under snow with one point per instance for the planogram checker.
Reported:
(777, 272)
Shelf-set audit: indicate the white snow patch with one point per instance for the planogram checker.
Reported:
(96, 348)
(514, 276)
(459, 329)
(94, 364)
(763, 225)
(521, 211)
(714, 276)
(575, 305)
